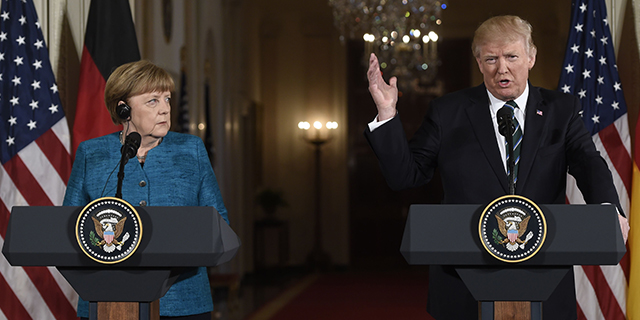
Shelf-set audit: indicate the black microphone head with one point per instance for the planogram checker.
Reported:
(131, 145)
(135, 139)
(504, 115)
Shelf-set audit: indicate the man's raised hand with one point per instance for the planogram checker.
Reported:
(384, 95)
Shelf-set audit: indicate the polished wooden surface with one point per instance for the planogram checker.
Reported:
(506, 310)
(125, 310)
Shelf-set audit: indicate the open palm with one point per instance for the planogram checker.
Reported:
(384, 95)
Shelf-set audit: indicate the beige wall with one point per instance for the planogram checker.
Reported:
(302, 77)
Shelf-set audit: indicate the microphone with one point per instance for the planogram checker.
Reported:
(506, 128)
(129, 150)
(505, 120)
(130, 147)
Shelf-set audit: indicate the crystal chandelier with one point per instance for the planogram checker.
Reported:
(402, 33)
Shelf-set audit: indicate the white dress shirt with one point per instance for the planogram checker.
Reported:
(494, 105)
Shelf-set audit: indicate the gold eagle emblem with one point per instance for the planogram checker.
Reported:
(110, 227)
(512, 228)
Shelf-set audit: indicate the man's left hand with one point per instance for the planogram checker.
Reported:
(624, 227)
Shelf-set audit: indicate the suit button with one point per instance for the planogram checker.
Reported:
(143, 203)
(142, 183)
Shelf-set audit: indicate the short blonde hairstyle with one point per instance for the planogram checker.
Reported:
(132, 79)
(504, 29)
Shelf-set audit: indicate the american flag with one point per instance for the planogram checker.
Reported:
(35, 145)
(590, 72)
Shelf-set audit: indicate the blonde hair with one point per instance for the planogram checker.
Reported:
(504, 29)
(132, 79)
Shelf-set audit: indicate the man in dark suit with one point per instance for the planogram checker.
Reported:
(460, 136)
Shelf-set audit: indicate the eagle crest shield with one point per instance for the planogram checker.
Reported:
(109, 230)
(512, 228)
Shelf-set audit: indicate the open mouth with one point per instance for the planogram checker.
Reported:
(504, 83)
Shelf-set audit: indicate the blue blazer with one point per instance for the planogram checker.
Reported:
(177, 172)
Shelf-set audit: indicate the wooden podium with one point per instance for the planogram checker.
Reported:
(576, 235)
(174, 240)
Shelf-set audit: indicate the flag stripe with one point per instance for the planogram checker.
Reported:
(68, 291)
(55, 298)
(4, 219)
(40, 168)
(24, 289)
(110, 36)
(623, 193)
(617, 282)
(9, 304)
(585, 292)
(574, 195)
(61, 130)
(622, 125)
(56, 154)
(92, 118)
(9, 194)
(618, 154)
(608, 304)
(625, 265)
(26, 183)
(581, 314)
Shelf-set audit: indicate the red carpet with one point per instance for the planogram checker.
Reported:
(349, 296)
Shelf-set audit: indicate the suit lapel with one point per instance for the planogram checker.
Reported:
(533, 127)
(480, 119)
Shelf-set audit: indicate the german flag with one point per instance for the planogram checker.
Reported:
(110, 41)
(633, 296)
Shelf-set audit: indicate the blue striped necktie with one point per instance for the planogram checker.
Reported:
(517, 142)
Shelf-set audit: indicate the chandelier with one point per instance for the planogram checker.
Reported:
(402, 33)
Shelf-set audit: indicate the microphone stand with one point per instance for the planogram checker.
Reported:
(128, 150)
(510, 161)
(123, 161)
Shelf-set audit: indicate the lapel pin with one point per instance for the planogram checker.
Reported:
(539, 112)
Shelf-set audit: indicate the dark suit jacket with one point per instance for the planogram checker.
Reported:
(457, 136)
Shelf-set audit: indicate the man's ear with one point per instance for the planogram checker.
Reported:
(532, 58)
(480, 66)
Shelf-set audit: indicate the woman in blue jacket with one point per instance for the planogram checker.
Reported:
(173, 169)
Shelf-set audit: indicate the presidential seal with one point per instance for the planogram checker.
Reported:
(108, 230)
(512, 228)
